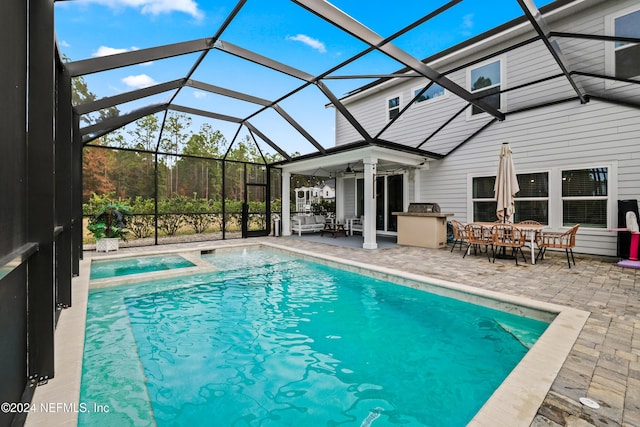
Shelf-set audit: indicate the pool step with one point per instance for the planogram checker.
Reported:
(523, 336)
(195, 258)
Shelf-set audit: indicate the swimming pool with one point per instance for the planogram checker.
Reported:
(295, 343)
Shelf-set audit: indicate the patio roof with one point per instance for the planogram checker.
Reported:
(335, 161)
(533, 21)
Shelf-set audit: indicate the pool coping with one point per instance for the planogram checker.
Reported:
(515, 402)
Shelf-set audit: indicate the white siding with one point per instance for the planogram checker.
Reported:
(561, 136)
(349, 198)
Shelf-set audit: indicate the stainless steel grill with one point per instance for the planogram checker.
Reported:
(423, 207)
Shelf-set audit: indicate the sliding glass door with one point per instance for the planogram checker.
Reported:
(389, 199)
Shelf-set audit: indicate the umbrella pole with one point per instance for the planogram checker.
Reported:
(504, 221)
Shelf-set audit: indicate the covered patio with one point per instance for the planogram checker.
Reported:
(365, 161)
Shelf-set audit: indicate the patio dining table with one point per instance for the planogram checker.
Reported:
(529, 229)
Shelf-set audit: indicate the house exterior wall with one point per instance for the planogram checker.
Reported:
(560, 137)
(551, 138)
(525, 64)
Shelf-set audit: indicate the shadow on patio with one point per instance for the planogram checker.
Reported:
(355, 241)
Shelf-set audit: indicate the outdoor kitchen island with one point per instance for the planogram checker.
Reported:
(423, 225)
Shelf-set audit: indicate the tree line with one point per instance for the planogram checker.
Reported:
(187, 162)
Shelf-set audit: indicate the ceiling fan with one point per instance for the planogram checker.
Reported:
(349, 169)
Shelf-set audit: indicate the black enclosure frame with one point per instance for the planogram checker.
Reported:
(42, 142)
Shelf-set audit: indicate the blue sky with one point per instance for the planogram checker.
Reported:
(279, 29)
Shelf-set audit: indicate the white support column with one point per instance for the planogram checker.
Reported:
(416, 185)
(340, 199)
(286, 204)
(369, 226)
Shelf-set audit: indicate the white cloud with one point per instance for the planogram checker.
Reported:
(157, 7)
(106, 51)
(467, 24)
(198, 94)
(64, 43)
(311, 42)
(139, 81)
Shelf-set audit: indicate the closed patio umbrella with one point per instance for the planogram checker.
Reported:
(506, 185)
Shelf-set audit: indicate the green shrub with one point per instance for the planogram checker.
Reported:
(110, 221)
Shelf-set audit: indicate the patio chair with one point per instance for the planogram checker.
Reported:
(477, 235)
(536, 233)
(508, 236)
(566, 241)
(459, 234)
(356, 225)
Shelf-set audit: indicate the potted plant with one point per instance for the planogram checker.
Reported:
(109, 225)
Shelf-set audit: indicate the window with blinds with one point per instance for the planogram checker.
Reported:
(532, 201)
(585, 196)
(484, 204)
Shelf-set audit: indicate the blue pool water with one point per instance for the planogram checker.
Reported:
(101, 269)
(274, 341)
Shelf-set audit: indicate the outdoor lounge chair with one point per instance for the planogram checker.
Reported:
(508, 236)
(356, 225)
(459, 234)
(566, 241)
(477, 235)
(307, 223)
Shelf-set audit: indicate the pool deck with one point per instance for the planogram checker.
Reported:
(603, 363)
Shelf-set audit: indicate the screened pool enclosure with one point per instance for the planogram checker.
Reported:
(67, 150)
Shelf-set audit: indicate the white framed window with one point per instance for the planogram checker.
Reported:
(433, 93)
(532, 201)
(585, 197)
(559, 197)
(486, 80)
(623, 58)
(393, 107)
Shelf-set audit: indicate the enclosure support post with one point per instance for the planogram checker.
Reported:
(224, 200)
(155, 198)
(286, 203)
(40, 189)
(63, 182)
(76, 198)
